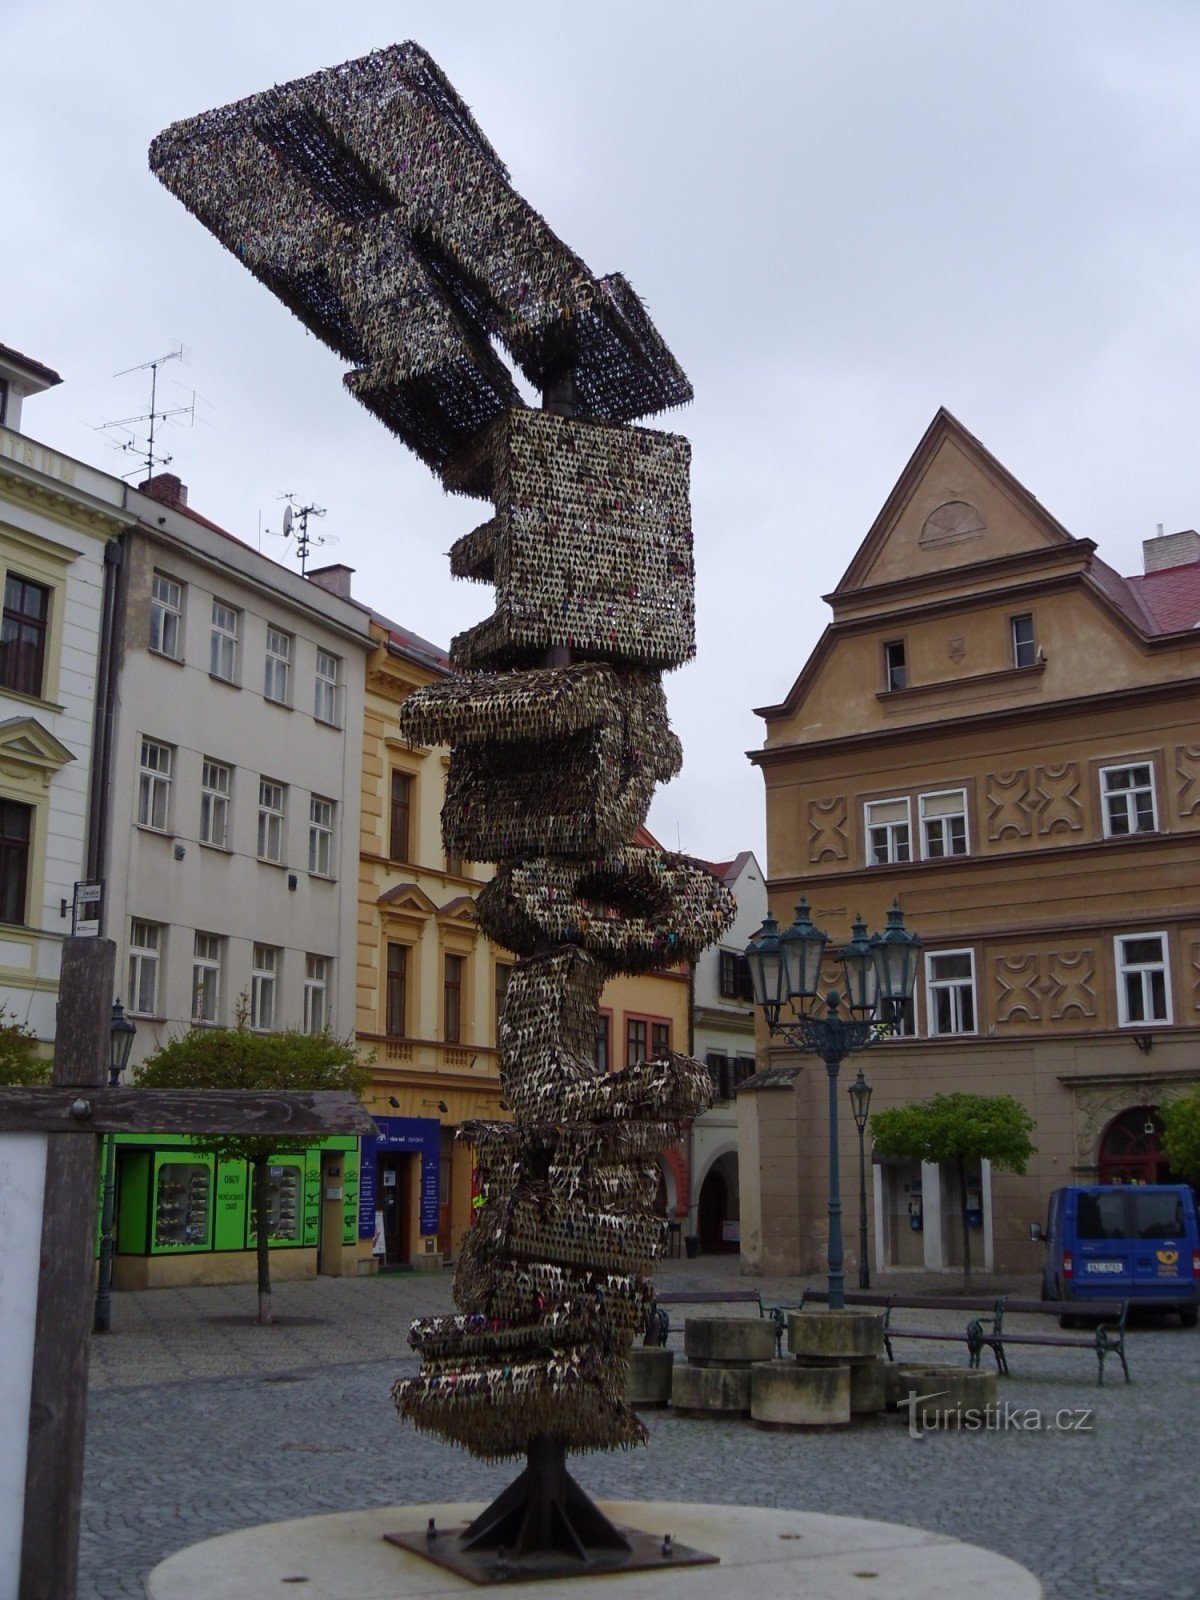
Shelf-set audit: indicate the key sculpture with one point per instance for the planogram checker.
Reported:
(367, 198)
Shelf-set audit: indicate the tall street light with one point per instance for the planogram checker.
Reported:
(120, 1044)
(879, 972)
(860, 1103)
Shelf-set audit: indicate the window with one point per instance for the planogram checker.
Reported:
(397, 991)
(943, 824)
(264, 987)
(23, 635)
(603, 1046)
(950, 980)
(1142, 992)
(15, 830)
(320, 836)
(895, 673)
(401, 816)
(325, 694)
(277, 681)
(222, 661)
(897, 1017)
(452, 982)
(206, 978)
(1128, 794)
(1024, 649)
(154, 785)
(888, 832)
(635, 1040)
(316, 993)
(145, 952)
(660, 1039)
(717, 1063)
(503, 974)
(271, 796)
(166, 616)
(734, 976)
(216, 781)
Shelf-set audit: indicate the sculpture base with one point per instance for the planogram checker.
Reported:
(640, 1552)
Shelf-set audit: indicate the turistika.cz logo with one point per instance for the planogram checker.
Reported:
(925, 1416)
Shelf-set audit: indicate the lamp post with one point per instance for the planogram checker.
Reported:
(120, 1044)
(879, 972)
(860, 1102)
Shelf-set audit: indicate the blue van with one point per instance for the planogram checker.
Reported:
(1135, 1242)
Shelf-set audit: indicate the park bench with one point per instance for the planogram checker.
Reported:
(1107, 1338)
(658, 1319)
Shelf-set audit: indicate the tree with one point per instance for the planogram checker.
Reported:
(20, 1064)
(236, 1058)
(1180, 1118)
(954, 1129)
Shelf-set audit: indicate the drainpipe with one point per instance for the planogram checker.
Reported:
(102, 728)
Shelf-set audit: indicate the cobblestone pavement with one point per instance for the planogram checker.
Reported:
(200, 1423)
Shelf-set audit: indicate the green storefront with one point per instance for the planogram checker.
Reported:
(183, 1217)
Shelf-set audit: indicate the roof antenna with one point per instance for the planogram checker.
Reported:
(145, 450)
(295, 522)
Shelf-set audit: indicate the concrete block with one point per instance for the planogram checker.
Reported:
(951, 1392)
(840, 1335)
(866, 1386)
(648, 1380)
(728, 1341)
(703, 1391)
(783, 1394)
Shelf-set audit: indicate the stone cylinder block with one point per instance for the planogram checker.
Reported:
(943, 1395)
(649, 1379)
(728, 1341)
(842, 1335)
(784, 1394)
(704, 1391)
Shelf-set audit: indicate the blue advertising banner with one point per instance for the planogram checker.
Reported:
(403, 1135)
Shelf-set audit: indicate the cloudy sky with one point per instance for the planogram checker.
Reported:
(841, 215)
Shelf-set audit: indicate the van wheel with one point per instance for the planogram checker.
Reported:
(1188, 1316)
(1068, 1321)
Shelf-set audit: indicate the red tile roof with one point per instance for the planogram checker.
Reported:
(1171, 597)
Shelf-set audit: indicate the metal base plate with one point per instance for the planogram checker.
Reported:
(490, 1566)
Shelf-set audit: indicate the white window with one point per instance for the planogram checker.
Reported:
(316, 993)
(206, 978)
(325, 702)
(154, 785)
(224, 646)
(1024, 647)
(888, 832)
(215, 784)
(277, 683)
(950, 986)
(1143, 994)
(320, 836)
(145, 952)
(1128, 794)
(271, 800)
(166, 616)
(943, 824)
(264, 987)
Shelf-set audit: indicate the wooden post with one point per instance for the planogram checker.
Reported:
(58, 1403)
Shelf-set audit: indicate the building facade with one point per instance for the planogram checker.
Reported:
(999, 731)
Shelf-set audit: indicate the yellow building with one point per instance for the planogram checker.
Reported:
(999, 730)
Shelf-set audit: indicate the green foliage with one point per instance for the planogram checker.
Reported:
(1181, 1134)
(957, 1127)
(236, 1058)
(20, 1064)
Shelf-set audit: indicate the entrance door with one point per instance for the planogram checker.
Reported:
(391, 1181)
(1130, 1150)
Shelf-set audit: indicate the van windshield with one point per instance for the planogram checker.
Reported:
(1157, 1216)
(1101, 1216)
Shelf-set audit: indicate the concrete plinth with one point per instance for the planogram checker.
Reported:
(866, 1386)
(711, 1391)
(728, 1341)
(649, 1379)
(773, 1555)
(783, 1394)
(837, 1335)
(944, 1393)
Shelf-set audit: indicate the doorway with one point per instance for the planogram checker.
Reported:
(1130, 1149)
(392, 1186)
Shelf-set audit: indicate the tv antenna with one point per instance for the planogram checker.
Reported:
(295, 523)
(145, 449)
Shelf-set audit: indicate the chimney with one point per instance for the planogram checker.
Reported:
(1170, 550)
(335, 578)
(165, 486)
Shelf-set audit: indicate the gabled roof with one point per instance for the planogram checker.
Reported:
(27, 367)
(26, 741)
(407, 643)
(1170, 597)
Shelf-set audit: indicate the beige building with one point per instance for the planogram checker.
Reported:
(1001, 732)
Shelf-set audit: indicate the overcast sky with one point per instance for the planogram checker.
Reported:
(840, 215)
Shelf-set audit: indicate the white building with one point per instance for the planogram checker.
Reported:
(723, 1034)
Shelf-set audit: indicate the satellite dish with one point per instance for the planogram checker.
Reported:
(287, 521)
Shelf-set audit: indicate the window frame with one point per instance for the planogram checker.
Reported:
(272, 822)
(453, 996)
(316, 983)
(145, 958)
(923, 824)
(166, 616)
(1022, 647)
(264, 987)
(12, 651)
(16, 856)
(154, 783)
(320, 836)
(602, 1041)
(733, 976)
(396, 989)
(403, 808)
(277, 665)
(215, 803)
(1124, 969)
(327, 689)
(221, 636)
(1126, 794)
(206, 967)
(953, 987)
(895, 665)
(889, 860)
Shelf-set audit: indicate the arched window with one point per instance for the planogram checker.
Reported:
(1130, 1149)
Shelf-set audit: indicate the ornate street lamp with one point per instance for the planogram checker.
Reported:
(860, 1103)
(121, 1032)
(879, 972)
